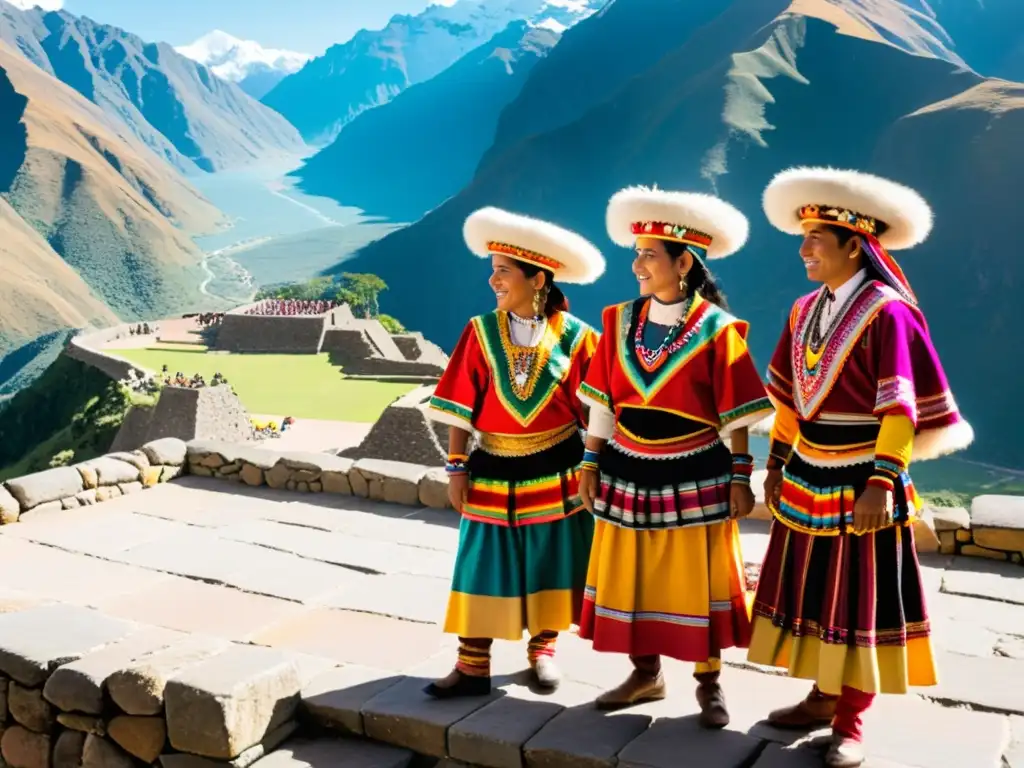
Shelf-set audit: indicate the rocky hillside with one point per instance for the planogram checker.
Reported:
(992, 37)
(404, 158)
(376, 65)
(92, 223)
(175, 105)
(256, 69)
(760, 85)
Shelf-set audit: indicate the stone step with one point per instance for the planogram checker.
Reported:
(516, 727)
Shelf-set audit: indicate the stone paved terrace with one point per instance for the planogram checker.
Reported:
(347, 594)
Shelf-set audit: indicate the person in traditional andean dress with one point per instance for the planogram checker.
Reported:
(671, 375)
(858, 390)
(512, 379)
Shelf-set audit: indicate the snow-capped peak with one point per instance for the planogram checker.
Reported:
(231, 58)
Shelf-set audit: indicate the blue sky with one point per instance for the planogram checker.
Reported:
(309, 26)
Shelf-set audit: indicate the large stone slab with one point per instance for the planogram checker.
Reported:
(364, 554)
(998, 522)
(904, 730)
(337, 697)
(100, 532)
(583, 737)
(342, 635)
(35, 642)
(290, 577)
(226, 704)
(950, 518)
(138, 688)
(658, 746)
(321, 753)
(79, 686)
(405, 716)
(398, 595)
(777, 756)
(208, 609)
(48, 485)
(494, 735)
(168, 451)
(110, 471)
(990, 684)
(268, 744)
(974, 577)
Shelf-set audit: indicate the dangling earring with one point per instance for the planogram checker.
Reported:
(682, 284)
(537, 298)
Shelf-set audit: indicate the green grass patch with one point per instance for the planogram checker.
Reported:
(303, 386)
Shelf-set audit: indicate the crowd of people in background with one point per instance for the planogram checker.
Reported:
(291, 307)
(197, 381)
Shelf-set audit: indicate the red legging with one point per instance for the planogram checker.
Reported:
(851, 705)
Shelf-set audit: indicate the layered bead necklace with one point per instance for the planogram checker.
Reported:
(673, 340)
(522, 357)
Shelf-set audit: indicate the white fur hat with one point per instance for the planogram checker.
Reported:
(572, 258)
(851, 199)
(685, 217)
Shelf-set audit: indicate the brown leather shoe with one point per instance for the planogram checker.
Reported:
(844, 753)
(637, 689)
(815, 711)
(713, 713)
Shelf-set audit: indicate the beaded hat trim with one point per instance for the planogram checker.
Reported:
(665, 231)
(524, 254)
(843, 217)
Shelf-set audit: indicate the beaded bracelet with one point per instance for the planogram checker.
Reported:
(880, 481)
(456, 466)
(885, 467)
(590, 460)
(742, 468)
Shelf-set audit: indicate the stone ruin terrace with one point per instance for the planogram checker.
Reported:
(201, 623)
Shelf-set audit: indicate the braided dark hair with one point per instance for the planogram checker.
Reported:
(699, 279)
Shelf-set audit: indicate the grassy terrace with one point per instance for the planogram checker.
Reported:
(303, 386)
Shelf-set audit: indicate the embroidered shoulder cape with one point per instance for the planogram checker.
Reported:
(879, 360)
(478, 390)
(707, 375)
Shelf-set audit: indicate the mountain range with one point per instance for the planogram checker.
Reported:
(254, 68)
(379, 165)
(175, 105)
(729, 93)
(376, 65)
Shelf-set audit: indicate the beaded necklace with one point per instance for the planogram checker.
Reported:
(816, 340)
(522, 360)
(674, 339)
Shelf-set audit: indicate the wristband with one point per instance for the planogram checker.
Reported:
(886, 467)
(455, 466)
(591, 456)
(880, 481)
(742, 468)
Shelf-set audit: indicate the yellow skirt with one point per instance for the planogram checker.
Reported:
(677, 592)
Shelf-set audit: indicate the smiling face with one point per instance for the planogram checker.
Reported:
(656, 271)
(827, 259)
(512, 288)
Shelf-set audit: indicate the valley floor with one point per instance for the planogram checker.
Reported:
(356, 589)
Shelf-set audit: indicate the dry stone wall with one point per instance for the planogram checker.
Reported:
(205, 413)
(994, 529)
(81, 689)
(295, 335)
(87, 347)
(92, 481)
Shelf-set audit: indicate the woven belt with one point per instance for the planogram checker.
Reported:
(525, 445)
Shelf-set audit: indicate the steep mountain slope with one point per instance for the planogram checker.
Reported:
(802, 90)
(989, 34)
(92, 224)
(374, 66)
(404, 158)
(175, 105)
(256, 69)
